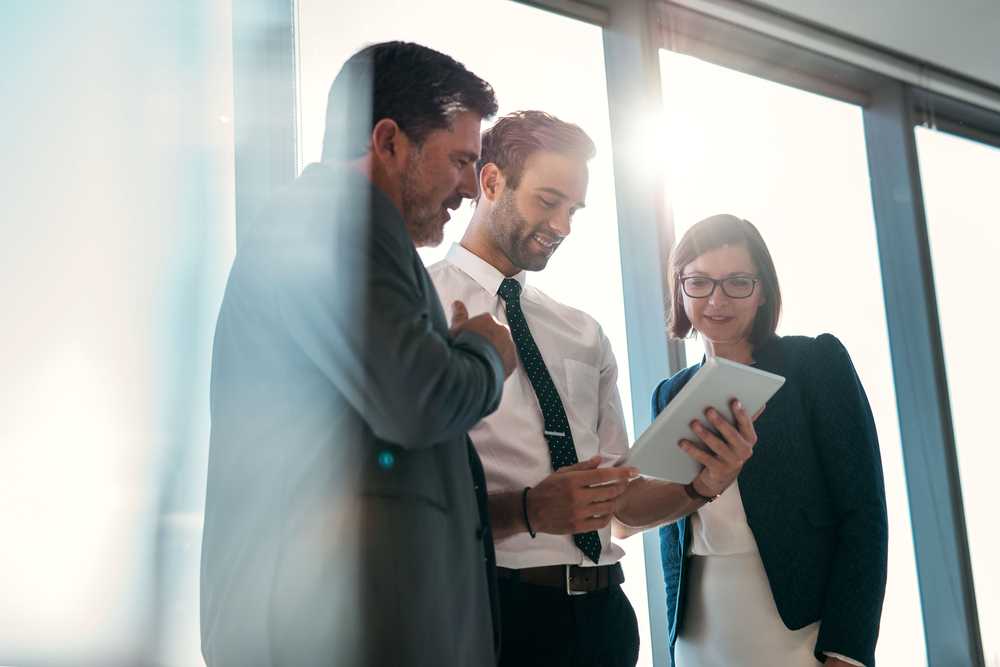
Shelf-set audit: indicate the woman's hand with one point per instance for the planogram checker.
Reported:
(729, 452)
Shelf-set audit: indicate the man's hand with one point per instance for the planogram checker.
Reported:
(488, 326)
(569, 501)
(728, 453)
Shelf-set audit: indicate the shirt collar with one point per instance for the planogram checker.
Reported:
(480, 270)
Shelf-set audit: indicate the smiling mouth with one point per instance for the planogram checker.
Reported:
(547, 243)
(717, 319)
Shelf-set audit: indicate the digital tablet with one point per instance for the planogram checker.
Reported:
(716, 385)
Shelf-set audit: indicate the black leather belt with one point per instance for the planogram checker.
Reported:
(575, 580)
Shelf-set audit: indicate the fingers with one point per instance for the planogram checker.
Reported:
(505, 345)
(730, 442)
(727, 453)
(729, 449)
(759, 411)
(459, 313)
(592, 476)
(705, 458)
(745, 423)
(605, 492)
(589, 464)
(486, 325)
(585, 487)
(567, 502)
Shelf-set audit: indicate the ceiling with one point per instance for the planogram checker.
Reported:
(959, 35)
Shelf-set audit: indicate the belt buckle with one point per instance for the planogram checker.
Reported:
(570, 591)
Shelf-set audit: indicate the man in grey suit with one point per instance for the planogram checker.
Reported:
(346, 518)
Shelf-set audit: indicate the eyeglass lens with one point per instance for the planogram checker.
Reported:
(734, 288)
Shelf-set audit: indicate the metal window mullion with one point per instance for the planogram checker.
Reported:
(631, 58)
(944, 568)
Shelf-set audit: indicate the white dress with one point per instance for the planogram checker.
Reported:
(730, 619)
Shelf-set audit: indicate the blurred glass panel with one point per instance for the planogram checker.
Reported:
(116, 235)
(534, 60)
(794, 164)
(961, 184)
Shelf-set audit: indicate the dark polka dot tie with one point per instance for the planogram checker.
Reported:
(557, 431)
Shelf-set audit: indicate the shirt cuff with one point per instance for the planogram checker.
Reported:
(844, 658)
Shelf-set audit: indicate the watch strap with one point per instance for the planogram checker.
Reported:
(694, 495)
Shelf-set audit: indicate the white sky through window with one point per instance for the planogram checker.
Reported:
(961, 184)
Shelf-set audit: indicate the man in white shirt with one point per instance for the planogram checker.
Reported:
(551, 506)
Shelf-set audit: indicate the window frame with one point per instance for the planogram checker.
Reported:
(892, 108)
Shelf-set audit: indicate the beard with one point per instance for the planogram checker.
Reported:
(512, 233)
(420, 210)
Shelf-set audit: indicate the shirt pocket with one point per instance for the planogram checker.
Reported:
(582, 383)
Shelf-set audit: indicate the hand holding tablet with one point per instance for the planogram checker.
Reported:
(717, 385)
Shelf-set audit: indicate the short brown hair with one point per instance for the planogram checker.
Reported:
(714, 232)
(511, 140)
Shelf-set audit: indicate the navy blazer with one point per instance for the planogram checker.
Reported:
(814, 498)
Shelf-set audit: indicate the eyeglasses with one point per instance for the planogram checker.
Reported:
(699, 287)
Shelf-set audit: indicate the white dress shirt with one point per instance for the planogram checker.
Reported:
(720, 528)
(510, 441)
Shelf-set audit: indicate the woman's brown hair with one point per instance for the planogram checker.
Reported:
(714, 232)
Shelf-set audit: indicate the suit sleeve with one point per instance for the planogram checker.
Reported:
(846, 439)
(358, 314)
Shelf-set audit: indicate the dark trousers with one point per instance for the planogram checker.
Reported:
(545, 627)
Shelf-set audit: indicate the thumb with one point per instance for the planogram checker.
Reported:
(589, 464)
(459, 313)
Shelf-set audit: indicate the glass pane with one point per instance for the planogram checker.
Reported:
(110, 283)
(794, 164)
(534, 60)
(960, 181)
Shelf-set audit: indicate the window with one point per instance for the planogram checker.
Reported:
(794, 164)
(962, 202)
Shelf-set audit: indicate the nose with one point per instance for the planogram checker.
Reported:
(718, 298)
(561, 223)
(468, 184)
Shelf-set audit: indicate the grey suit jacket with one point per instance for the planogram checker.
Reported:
(343, 523)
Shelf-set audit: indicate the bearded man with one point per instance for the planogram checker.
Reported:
(547, 450)
(346, 518)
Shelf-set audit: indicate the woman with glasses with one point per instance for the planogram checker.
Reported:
(786, 565)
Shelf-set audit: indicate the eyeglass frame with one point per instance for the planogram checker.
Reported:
(719, 283)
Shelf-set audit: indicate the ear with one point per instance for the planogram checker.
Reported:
(390, 145)
(491, 182)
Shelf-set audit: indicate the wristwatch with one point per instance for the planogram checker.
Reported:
(694, 495)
